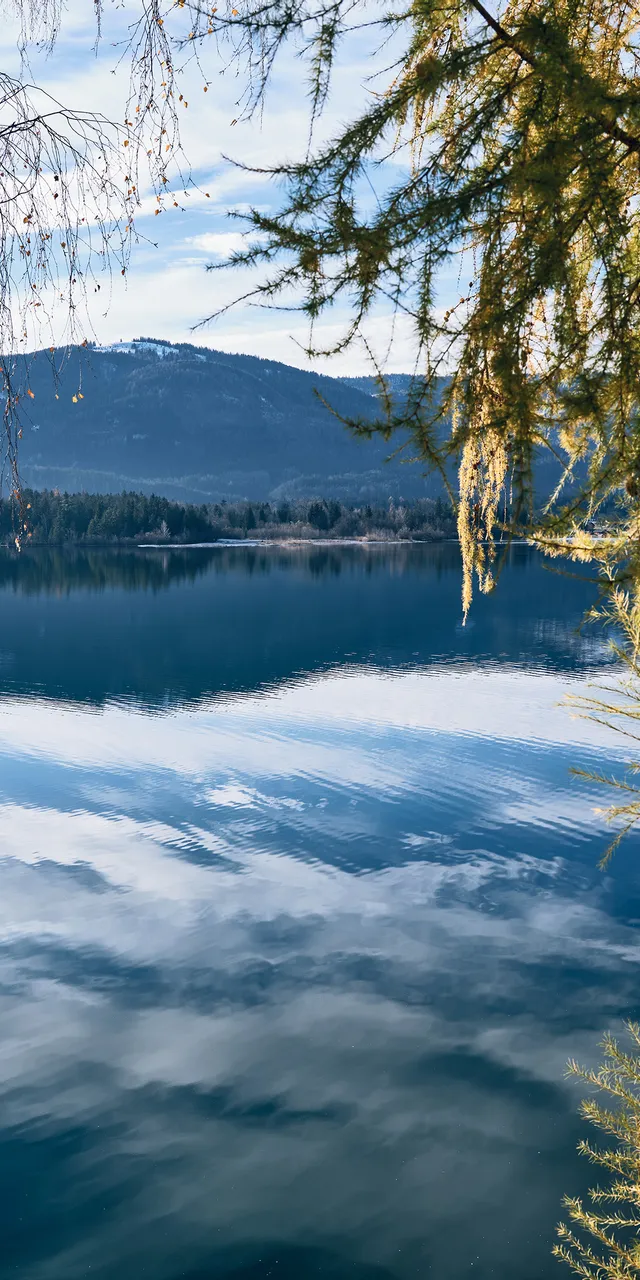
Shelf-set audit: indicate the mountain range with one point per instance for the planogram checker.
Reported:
(200, 425)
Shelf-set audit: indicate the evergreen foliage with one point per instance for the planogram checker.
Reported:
(603, 1241)
(517, 136)
(56, 519)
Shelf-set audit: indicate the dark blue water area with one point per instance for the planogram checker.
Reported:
(300, 914)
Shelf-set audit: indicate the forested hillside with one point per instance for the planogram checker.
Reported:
(398, 383)
(198, 425)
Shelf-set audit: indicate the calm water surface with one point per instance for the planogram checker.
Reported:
(300, 915)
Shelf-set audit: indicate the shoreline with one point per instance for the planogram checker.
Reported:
(131, 544)
(122, 544)
(293, 542)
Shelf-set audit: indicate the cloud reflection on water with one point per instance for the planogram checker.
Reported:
(274, 1049)
(288, 978)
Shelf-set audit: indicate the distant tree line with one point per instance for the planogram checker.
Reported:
(54, 518)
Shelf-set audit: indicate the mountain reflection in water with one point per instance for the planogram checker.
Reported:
(180, 625)
(300, 914)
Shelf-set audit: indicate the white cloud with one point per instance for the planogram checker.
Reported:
(219, 244)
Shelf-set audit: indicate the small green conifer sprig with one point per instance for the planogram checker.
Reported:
(602, 1241)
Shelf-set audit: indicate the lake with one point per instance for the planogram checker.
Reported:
(301, 914)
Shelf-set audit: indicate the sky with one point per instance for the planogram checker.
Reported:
(167, 291)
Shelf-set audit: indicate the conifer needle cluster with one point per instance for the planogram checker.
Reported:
(602, 1240)
(515, 130)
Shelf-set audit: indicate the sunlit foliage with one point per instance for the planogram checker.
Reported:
(516, 134)
(602, 1240)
